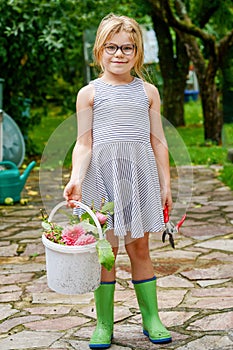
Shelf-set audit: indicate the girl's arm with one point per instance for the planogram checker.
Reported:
(159, 145)
(82, 151)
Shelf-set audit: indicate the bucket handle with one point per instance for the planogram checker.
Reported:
(83, 206)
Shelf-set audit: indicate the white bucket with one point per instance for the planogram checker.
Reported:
(72, 269)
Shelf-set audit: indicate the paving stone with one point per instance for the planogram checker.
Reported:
(209, 342)
(202, 209)
(218, 244)
(49, 310)
(222, 203)
(9, 288)
(34, 248)
(82, 345)
(53, 298)
(230, 216)
(18, 267)
(170, 298)
(214, 272)
(39, 285)
(68, 344)
(222, 321)
(175, 318)
(213, 302)
(58, 323)
(4, 243)
(217, 292)
(16, 278)
(194, 280)
(7, 325)
(183, 242)
(6, 311)
(175, 254)
(28, 340)
(215, 255)
(205, 232)
(13, 296)
(132, 336)
(174, 282)
(10, 250)
(227, 209)
(28, 234)
(218, 220)
(207, 283)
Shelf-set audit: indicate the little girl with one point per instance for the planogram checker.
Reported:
(121, 155)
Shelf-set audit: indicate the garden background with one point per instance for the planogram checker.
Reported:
(45, 58)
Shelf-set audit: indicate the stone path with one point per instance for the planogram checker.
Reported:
(195, 288)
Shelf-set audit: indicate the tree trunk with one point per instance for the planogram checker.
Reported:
(227, 89)
(213, 120)
(206, 73)
(173, 101)
(174, 69)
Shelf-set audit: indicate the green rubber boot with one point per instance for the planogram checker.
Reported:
(104, 299)
(147, 301)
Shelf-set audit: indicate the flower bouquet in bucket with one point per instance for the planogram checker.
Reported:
(76, 249)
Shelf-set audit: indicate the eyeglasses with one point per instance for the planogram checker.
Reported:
(126, 49)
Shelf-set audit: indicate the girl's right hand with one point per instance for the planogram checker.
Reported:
(72, 191)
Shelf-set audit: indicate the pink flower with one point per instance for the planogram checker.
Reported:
(101, 217)
(85, 239)
(71, 234)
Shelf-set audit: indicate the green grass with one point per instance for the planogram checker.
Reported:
(186, 144)
(226, 175)
(42, 132)
(202, 153)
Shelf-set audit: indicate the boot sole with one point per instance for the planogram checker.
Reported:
(99, 346)
(157, 341)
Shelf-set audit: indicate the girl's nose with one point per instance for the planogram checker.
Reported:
(119, 52)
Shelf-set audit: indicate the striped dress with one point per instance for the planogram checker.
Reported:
(123, 167)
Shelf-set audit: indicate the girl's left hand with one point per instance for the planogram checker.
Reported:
(72, 191)
(166, 198)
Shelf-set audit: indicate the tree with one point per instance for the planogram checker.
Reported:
(207, 61)
(41, 43)
(174, 65)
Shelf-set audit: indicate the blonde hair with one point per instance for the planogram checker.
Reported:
(112, 24)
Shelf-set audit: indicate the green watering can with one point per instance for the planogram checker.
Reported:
(11, 182)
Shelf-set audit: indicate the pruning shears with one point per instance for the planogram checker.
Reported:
(170, 227)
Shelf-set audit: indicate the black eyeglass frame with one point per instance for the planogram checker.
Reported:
(121, 48)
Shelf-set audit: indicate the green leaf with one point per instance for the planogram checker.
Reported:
(46, 226)
(89, 227)
(86, 216)
(108, 207)
(105, 254)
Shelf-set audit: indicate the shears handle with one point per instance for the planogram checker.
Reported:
(180, 222)
(166, 214)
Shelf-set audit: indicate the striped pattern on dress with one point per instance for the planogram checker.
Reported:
(123, 167)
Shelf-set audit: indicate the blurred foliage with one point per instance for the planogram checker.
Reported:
(226, 175)
(41, 49)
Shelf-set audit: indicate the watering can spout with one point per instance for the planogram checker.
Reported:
(24, 176)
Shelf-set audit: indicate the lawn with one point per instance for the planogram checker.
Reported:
(186, 144)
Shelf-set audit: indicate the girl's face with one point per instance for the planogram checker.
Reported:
(118, 63)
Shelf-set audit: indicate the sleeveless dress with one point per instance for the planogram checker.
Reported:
(123, 166)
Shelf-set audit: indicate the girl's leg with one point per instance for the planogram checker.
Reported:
(145, 287)
(139, 254)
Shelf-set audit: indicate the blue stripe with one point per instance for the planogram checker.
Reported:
(144, 281)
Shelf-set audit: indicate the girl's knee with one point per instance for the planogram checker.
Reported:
(139, 249)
